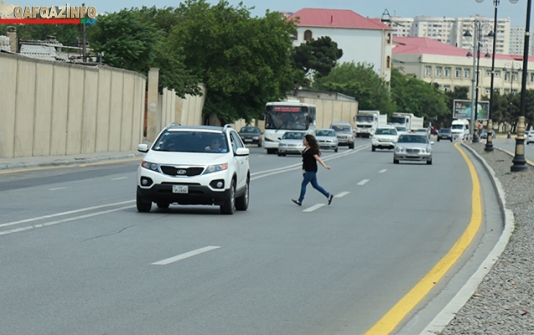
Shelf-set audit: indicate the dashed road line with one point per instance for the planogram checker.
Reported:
(185, 255)
(363, 182)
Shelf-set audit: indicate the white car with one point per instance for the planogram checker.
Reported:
(194, 165)
(327, 139)
(384, 138)
(529, 136)
(291, 143)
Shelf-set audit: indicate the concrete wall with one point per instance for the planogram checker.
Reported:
(53, 108)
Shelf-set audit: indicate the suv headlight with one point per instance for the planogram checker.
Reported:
(216, 168)
(150, 166)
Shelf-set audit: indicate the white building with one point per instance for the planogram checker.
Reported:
(451, 30)
(401, 26)
(362, 40)
(517, 41)
(449, 66)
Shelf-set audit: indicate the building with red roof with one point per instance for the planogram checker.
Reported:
(362, 40)
(449, 66)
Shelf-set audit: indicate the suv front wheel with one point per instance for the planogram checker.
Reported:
(143, 205)
(229, 205)
(242, 202)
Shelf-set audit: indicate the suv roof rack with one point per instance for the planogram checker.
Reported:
(174, 124)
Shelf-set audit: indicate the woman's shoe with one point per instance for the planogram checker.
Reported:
(297, 202)
(330, 198)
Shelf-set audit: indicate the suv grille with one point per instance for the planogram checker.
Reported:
(189, 172)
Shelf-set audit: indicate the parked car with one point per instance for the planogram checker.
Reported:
(327, 139)
(194, 165)
(484, 134)
(445, 134)
(291, 143)
(344, 132)
(529, 136)
(250, 135)
(413, 147)
(384, 138)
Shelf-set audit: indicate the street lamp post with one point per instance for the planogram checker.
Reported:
(475, 129)
(489, 139)
(472, 118)
(511, 76)
(489, 126)
(519, 158)
(477, 26)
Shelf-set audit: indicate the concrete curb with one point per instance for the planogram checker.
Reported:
(39, 162)
(447, 314)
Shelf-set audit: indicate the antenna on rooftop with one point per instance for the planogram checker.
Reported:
(386, 18)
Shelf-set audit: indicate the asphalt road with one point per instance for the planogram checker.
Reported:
(77, 258)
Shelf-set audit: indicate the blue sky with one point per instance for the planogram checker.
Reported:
(369, 8)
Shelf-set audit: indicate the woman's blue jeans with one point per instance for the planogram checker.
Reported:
(311, 177)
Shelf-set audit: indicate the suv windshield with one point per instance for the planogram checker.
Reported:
(191, 141)
(341, 128)
(326, 133)
(386, 132)
(445, 130)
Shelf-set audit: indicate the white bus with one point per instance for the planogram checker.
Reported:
(283, 116)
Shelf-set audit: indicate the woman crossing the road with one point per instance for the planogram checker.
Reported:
(310, 157)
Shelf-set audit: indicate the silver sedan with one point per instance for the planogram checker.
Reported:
(413, 147)
(291, 143)
(327, 139)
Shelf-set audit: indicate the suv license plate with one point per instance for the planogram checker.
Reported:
(180, 189)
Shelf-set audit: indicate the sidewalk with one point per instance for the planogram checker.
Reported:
(47, 161)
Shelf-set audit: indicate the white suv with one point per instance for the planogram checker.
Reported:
(194, 165)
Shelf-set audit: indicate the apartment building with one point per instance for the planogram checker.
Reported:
(517, 41)
(449, 66)
(451, 30)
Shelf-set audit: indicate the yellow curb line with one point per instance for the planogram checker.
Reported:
(398, 312)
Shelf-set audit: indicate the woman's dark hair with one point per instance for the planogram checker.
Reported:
(312, 142)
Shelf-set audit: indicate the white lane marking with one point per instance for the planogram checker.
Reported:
(64, 213)
(57, 188)
(185, 255)
(46, 224)
(266, 173)
(341, 195)
(120, 178)
(382, 171)
(312, 208)
(363, 182)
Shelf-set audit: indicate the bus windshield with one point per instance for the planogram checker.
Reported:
(286, 120)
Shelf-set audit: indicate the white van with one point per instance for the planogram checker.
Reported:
(460, 129)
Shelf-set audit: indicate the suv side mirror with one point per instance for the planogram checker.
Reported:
(143, 147)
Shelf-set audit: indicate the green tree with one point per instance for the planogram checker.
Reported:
(317, 55)
(127, 41)
(361, 82)
(243, 61)
(412, 95)
(136, 40)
